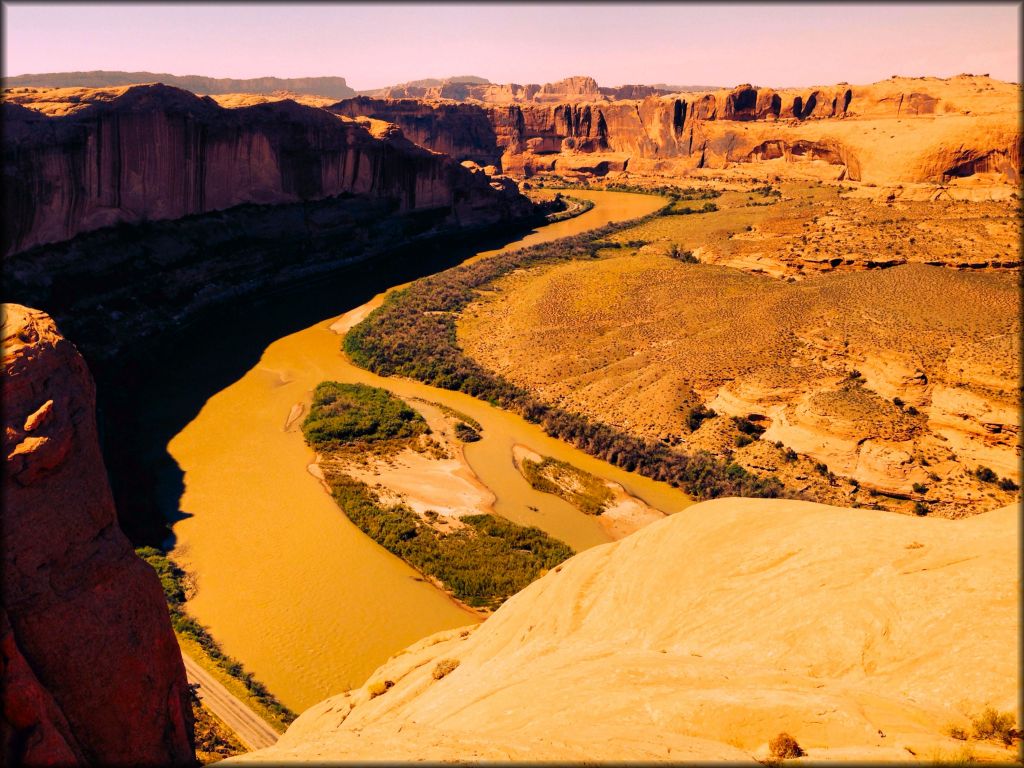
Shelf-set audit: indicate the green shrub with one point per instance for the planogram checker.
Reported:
(172, 579)
(587, 493)
(920, 488)
(1006, 484)
(921, 509)
(742, 440)
(748, 427)
(466, 433)
(986, 475)
(679, 254)
(346, 413)
(578, 206)
(697, 416)
(483, 563)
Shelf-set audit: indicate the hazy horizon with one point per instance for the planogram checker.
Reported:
(374, 45)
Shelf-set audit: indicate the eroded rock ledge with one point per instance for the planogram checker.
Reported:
(703, 636)
(900, 130)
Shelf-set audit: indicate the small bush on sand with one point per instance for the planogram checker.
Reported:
(697, 416)
(992, 724)
(379, 687)
(958, 733)
(466, 433)
(986, 475)
(748, 427)
(444, 667)
(784, 746)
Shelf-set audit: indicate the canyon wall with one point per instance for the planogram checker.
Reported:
(462, 131)
(901, 130)
(480, 90)
(153, 152)
(91, 671)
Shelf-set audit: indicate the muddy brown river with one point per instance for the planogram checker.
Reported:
(285, 582)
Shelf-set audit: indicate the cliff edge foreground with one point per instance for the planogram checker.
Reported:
(89, 667)
(863, 634)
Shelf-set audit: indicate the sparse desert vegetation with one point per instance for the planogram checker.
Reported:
(587, 493)
(342, 414)
(784, 747)
(214, 741)
(413, 333)
(174, 581)
(798, 230)
(993, 724)
(481, 558)
(483, 562)
(897, 379)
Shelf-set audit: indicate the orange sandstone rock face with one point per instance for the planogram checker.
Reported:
(899, 130)
(152, 152)
(705, 635)
(91, 671)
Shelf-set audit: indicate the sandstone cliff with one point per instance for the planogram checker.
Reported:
(461, 131)
(477, 89)
(91, 671)
(899, 130)
(864, 634)
(153, 152)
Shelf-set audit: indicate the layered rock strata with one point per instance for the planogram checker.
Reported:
(909, 130)
(481, 90)
(152, 152)
(91, 671)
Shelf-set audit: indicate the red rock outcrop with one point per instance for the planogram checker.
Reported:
(476, 89)
(461, 131)
(91, 671)
(154, 152)
(816, 127)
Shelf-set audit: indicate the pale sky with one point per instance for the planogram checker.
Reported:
(376, 44)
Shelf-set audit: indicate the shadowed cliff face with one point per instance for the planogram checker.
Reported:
(462, 131)
(91, 671)
(154, 152)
